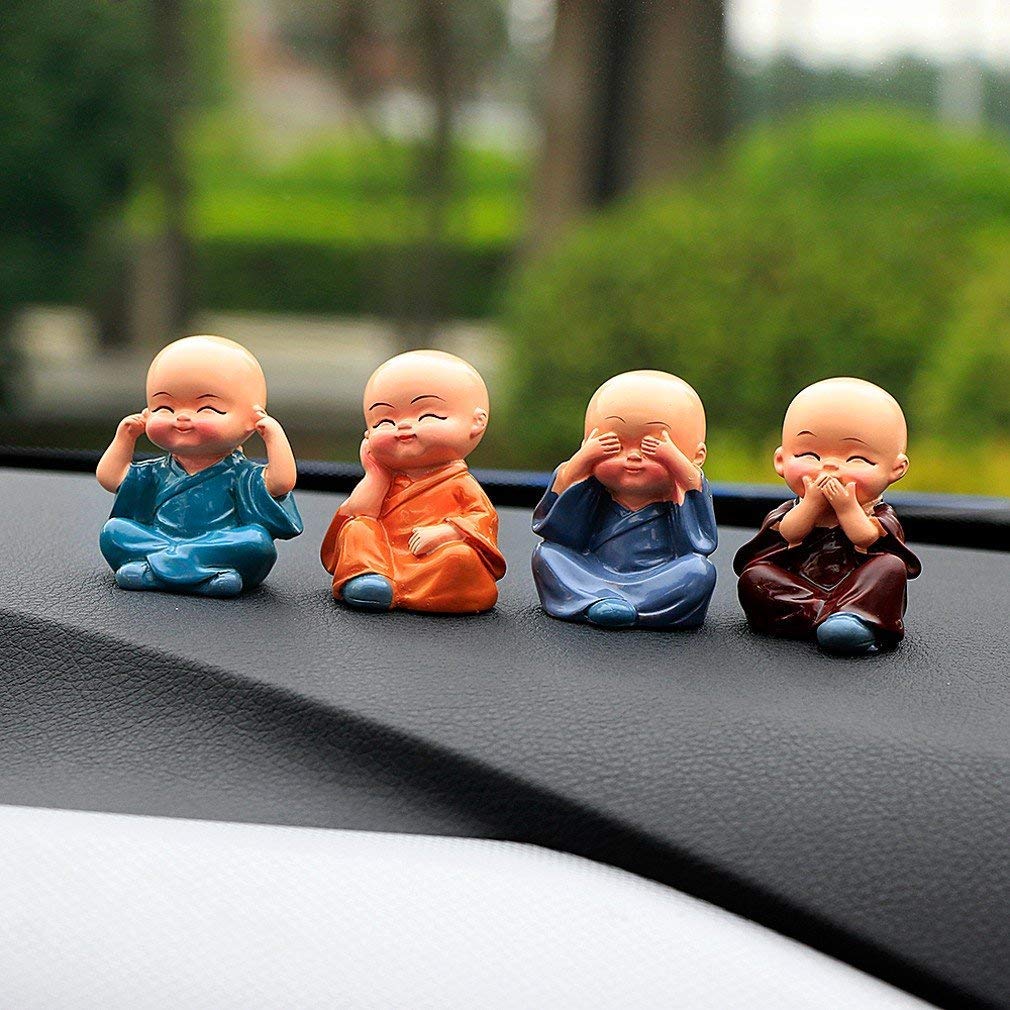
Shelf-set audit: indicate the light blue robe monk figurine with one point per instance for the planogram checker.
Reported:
(203, 518)
(627, 522)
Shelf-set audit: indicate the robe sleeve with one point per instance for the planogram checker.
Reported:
(328, 551)
(695, 521)
(568, 518)
(477, 523)
(278, 516)
(767, 542)
(893, 540)
(136, 495)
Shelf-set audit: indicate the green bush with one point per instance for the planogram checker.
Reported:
(335, 226)
(965, 390)
(836, 244)
(75, 96)
(351, 278)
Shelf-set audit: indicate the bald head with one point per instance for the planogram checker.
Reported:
(847, 428)
(437, 372)
(424, 409)
(193, 359)
(855, 406)
(640, 399)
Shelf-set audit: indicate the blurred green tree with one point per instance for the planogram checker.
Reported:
(965, 387)
(443, 52)
(635, 93)
(82, 115)
(186, 48)
(785, 86)
(75, 101)
(836, 244)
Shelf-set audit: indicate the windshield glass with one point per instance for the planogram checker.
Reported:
(753, 195)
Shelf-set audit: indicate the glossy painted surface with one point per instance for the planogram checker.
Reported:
(418, 518)
(628, 520)
(201, 519)
(838, 548)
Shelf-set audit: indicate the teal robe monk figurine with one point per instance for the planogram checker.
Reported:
(628, 522)
(203, 518)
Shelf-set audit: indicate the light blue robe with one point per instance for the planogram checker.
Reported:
(190, 528)
(655, 558)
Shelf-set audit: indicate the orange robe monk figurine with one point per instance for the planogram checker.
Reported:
(418, 533)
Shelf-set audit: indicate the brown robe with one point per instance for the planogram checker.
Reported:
(458, 577)
(788, 591)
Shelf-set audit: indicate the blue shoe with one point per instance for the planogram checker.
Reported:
(612, 614)
(224, 584)
(847, 635)
(368, 592)
(136, 575)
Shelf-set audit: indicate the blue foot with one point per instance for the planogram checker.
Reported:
(846, 635)
(136, 575)
(612, 614)
(368, 592)
(224, 584)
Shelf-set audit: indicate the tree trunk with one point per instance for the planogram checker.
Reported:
(635, 95)
(163, 276)
(676, 113)
(565, 183)
(425, 282)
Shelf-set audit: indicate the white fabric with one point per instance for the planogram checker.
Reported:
(113, 911)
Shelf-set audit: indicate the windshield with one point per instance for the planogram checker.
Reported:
(752, 195)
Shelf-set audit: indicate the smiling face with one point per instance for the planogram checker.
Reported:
(202, 393)
(424, 409)
(635, 405)
(848, 428)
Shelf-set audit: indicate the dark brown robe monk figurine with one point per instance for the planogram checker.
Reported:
(833, 564)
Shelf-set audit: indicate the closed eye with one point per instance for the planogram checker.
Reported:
(440, 417)
(813, 455)
(862, 459)
(209, 407)
(385, 420)
(164, 406)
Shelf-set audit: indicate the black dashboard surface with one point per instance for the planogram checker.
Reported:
(862, 806)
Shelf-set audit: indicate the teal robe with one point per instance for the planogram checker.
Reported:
(189, 528)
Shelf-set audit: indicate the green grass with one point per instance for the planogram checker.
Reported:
(347, 188)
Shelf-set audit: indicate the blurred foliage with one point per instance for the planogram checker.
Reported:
(444, 52)
(965, 387)
(79, 124)
(334, 227)
(786, 86)
(367, 44)
(76, 102)
(845, 242)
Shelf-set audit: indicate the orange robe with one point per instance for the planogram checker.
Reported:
(458, 577)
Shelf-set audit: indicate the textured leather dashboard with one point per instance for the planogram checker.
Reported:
(861, 806)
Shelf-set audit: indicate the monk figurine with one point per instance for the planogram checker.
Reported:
(832, 563)
(417, 532)
(627, 523)
(201, 519)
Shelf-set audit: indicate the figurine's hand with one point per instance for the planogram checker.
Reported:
(267, 426)
(133, 425)
(841, 497)
(662, 449)
(371, 466)
(596, 447)
(424, 539)
(813, 494)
